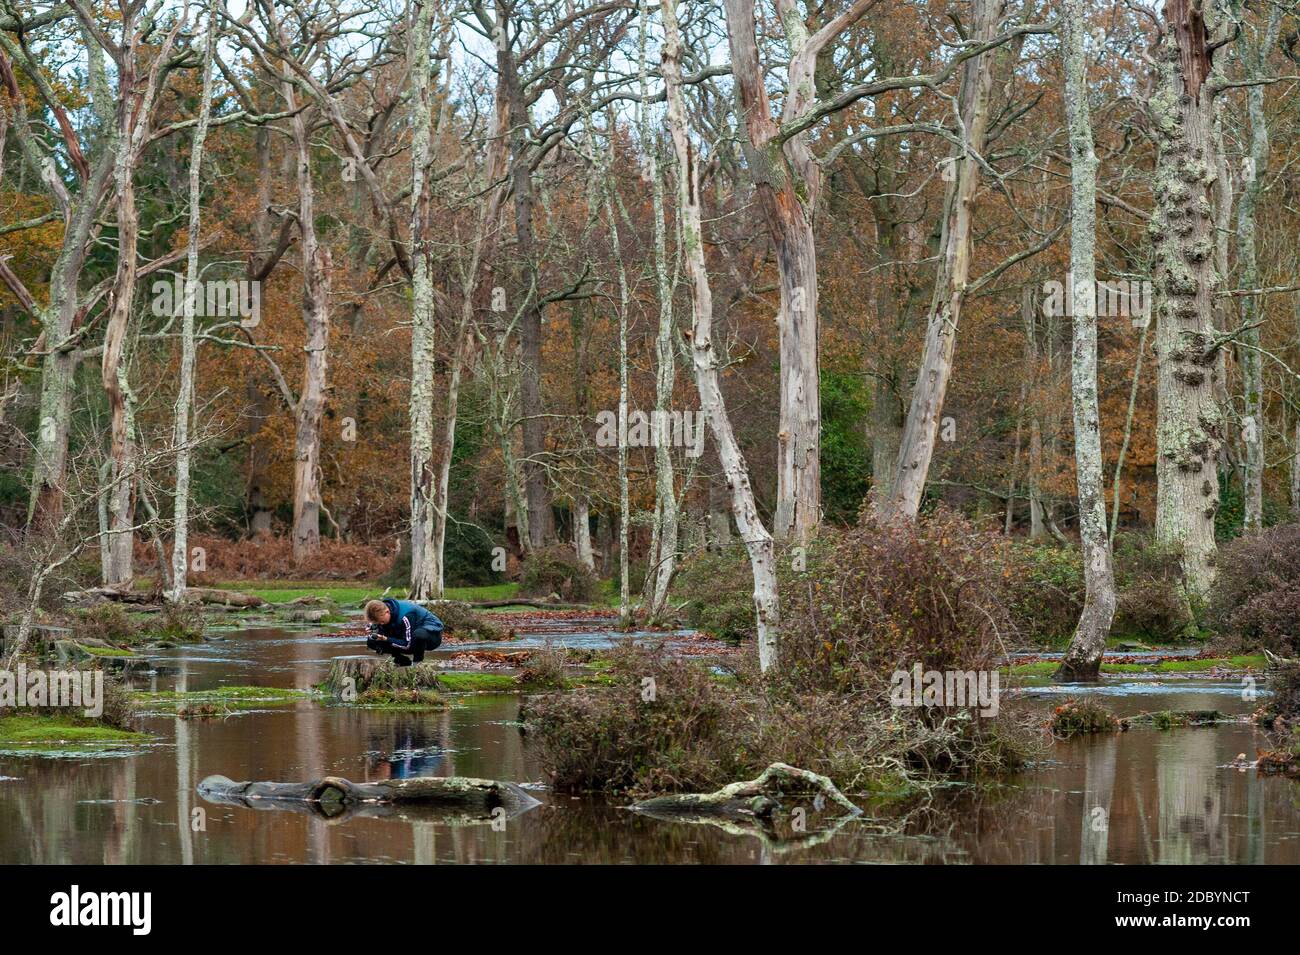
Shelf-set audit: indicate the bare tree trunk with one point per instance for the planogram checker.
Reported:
(758, 541)
(1189, 428)
(1128, 429)
(1083, 657)
(787, 181)
(663, 556)
(1295, 474)
(185, 394)
(135, 98)
(582, 532)
(624, 508)
(719, 514)
(1252, 362)
(62, 301)
(923, 417)
(541, 527)
(425, 581)
(316, 322)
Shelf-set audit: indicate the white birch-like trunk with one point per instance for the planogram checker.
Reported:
(185, 393)
(1252, 361)
(1083, 657)
(582, 532)
(758, 541)
(316, 323)
(624, 508)
(424, 570)
(663, 556)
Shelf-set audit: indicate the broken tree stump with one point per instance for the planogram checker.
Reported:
(360, 670)
(333, 796)
(779, 788)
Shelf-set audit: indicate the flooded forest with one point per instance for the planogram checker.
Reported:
(649, 432)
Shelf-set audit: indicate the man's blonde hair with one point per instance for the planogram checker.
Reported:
(373, 609)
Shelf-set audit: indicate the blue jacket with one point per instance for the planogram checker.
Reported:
(404, 619)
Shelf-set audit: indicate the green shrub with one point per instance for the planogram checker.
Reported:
(557, 570)
(179, 623)
(869, 601)
(1153, 602)
(1080, 717)
(108, 622)
(465, 622)
(1255, 601)
(1046, 590)
(717, 589)
(883, 596)
(466, 555)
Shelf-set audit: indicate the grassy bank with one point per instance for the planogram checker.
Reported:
(39, 730)
(1236, 664)
(352, 595)
(263, 695)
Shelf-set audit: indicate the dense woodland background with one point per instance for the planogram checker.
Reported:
(487, 178)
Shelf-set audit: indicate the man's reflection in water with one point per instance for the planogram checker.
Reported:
(404, 749)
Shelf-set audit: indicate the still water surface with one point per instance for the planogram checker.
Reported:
(1143, 796)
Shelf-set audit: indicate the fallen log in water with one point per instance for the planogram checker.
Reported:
(779, 789)
(522, 602)
(333, 796)
(1168, 719)
(203, 595)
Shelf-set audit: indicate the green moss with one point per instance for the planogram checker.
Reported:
(352, 595)
(106, 651)
(224, 694)
(477, 682)
(1246, 662)
(401, 700)
(36, 730)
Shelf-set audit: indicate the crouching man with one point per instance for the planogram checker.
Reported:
(403, 629)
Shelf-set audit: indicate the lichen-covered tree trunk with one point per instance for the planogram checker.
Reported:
(1189, 428)
(424, 573)
(921, 430)
(663, 556)
(1082, 659)
(58, 314)
(116, 545)
(138, 83)
(185, 391)
(1252, 363)
(316, 322)
(758, 541)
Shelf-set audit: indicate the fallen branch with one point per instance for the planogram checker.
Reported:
(779, 788)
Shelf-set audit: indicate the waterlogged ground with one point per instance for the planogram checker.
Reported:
(1144, 796)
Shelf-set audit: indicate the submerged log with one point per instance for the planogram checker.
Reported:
(538, 604)
(1167, 719)
(230, 598)
(778, 789)
(333, 796)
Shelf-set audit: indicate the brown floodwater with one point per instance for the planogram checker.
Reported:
(1144, 796)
